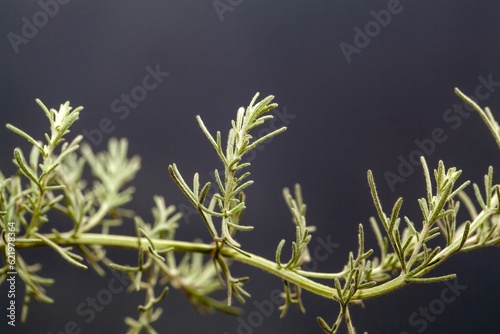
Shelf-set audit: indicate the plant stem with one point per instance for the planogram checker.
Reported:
(130, 242)
(296, 277)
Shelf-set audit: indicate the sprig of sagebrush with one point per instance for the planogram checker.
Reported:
(41, 175)
(228, 204)
(404, 252)
(54, 175)
(411, 254)
(300, 252)
(34, 201)
(113, 169)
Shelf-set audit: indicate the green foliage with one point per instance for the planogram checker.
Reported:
(50, 179)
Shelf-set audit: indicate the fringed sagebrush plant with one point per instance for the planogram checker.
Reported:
(49, 178)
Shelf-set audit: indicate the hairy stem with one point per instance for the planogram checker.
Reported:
(298, 278)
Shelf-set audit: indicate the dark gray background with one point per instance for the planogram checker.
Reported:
(350, 117)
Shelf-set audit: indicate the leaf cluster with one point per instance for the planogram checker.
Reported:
(50, 179)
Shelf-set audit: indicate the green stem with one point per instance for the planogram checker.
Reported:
(300, 278)
(32, 227)
(271, 267)
(130, 242)
(418, 246)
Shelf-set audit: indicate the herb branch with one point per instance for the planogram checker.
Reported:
(50, 178)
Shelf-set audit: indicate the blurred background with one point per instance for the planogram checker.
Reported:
(360, 85)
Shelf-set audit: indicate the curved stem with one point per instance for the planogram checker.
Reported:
(130, 242)
(299, 277)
